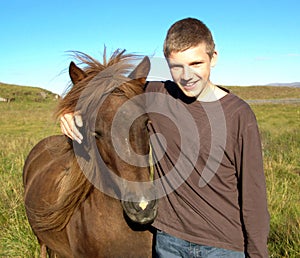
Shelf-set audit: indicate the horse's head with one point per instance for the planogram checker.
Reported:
(116, 124)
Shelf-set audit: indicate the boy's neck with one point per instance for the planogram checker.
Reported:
(211, 93)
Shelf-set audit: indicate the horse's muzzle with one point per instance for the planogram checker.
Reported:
(143, 211)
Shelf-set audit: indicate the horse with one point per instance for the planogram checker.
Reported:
(85, 200)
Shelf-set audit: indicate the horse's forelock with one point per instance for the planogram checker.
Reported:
(101, 85)
(101, 78)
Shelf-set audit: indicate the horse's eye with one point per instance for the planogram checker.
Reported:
(97, 134)
(118, 92)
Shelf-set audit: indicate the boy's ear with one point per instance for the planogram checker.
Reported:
(76, 74)
(214, 59)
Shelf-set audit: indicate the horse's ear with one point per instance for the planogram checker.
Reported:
(141, 71)
(76, 74)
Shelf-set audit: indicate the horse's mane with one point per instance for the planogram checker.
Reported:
(101, 78)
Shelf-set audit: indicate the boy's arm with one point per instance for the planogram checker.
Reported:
(254, 197)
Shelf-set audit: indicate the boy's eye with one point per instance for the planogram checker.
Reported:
(175, 66)
(197, 64)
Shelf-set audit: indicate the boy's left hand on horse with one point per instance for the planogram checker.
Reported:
(68, 125)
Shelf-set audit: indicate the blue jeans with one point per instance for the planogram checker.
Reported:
(167, 246)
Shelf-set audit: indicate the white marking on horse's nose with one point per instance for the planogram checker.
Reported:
(143, 204)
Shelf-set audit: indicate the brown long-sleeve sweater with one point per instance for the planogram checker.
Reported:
(209, 170)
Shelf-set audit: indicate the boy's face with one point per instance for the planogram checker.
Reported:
(190, 69)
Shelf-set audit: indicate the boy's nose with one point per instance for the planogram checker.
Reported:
(186, 73)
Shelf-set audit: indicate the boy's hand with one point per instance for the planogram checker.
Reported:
(68, 123)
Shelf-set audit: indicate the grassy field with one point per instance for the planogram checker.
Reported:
(27, 120)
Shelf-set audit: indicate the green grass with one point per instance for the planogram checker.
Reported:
(279, 125)
(265, 92)
(24, 123)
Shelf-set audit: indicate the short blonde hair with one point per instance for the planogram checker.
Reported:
(187, 33)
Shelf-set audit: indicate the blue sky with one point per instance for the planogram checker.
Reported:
(258, 41)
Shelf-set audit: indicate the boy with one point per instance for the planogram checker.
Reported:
(216, 205)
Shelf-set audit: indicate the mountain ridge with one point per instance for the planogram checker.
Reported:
(290, 84)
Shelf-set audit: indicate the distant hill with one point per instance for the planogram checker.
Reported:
(17, 93)
(11, 92)
(265, 92)
(291, 84)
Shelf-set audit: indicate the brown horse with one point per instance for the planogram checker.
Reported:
(84, 200)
